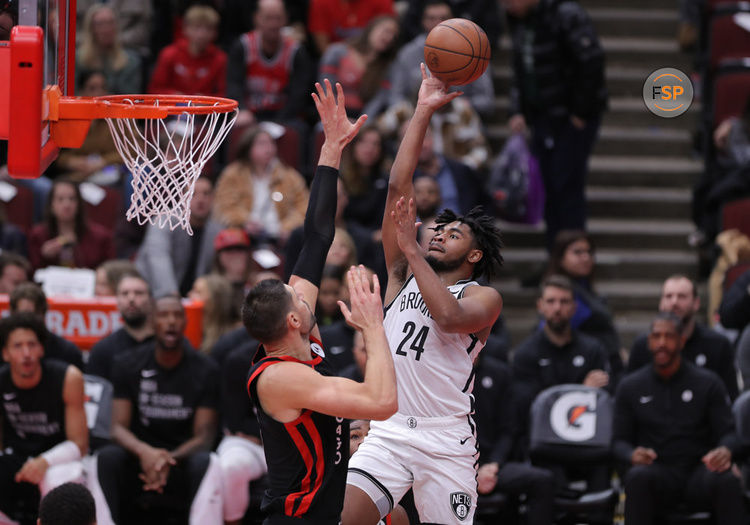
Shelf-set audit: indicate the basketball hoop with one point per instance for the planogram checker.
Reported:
(164, 140)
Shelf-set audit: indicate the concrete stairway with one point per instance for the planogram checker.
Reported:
(640, 179)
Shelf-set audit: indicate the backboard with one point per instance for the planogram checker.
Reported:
(38, 58)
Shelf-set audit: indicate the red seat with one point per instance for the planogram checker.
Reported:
(733, 274)
(20, 209)
(731, 93)
(736, 214)
(108, 211)
(727, 39)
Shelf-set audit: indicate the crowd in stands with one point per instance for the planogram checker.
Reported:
(189, 409)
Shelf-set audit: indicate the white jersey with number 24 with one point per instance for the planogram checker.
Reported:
(433, 368)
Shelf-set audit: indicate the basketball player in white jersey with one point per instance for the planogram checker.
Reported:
(437, 320)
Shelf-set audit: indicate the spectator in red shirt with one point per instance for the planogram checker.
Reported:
(336, 20)
(193, 65)
(270, 73)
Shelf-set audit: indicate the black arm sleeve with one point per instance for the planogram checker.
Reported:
(319, 225)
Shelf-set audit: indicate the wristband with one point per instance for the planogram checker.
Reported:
(65, 452)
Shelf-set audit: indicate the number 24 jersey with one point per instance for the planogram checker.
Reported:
(434, 368)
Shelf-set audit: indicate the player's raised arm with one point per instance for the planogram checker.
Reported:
(433, 94)
(476, 310)
(321, 209)
(293, 386)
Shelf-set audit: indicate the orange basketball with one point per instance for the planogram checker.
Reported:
(457, 51)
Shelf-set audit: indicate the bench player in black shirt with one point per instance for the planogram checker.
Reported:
(673, 425)
(135, 304)
(301, 409)
(164, 419)
(42, 420)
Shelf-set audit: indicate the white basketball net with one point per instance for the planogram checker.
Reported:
(166, 157)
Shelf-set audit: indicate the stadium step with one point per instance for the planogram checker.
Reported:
(612, 264)
(631, 234)
(644, 171)
(649, 202)
(631, 22)
(623, 140)
(629, 111)
(640, 178)
(622, 81)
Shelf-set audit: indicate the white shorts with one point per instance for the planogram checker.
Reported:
(436, 457)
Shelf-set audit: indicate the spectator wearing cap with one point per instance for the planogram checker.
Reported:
(232, 256)
(171, 260)
(259, 193)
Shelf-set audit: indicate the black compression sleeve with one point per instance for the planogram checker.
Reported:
(319, 225)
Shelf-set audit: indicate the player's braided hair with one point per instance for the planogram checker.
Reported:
(487, 238)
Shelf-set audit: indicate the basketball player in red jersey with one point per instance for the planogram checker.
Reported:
(301, 410)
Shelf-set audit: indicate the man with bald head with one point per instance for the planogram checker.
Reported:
(704, 347)
(269, 73)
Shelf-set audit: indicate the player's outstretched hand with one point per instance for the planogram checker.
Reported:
(404, 217)
(433, 93)
(336, 125)
(366, 305)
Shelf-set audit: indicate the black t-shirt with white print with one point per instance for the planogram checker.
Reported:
(165, 400)
(33, 418)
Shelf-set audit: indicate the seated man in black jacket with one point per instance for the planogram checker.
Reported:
(164, 419)
(673, 424)
(135, 303)
(555, 355)
(558, 354)
(703, 346)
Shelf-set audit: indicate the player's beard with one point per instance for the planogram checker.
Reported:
(447, 265)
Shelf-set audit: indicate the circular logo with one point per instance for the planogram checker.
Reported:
(411, 422)
(668, 92)
(579, 361)
(573, 416)
(700, 360)
(487, 382)
(462, 511)
(687, 395)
